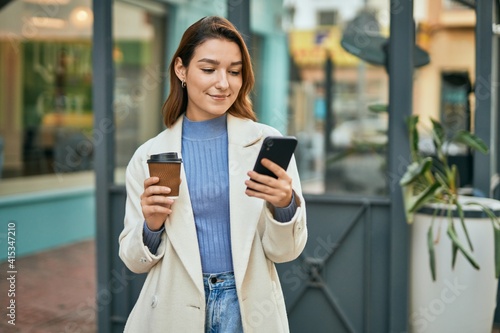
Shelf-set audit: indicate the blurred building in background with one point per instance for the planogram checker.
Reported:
(346, 154)
(332, 149)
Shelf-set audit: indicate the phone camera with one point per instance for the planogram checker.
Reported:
(270, 143)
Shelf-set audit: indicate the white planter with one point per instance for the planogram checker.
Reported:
(461, 300)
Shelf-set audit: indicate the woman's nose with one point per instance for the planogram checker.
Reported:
(222, 82)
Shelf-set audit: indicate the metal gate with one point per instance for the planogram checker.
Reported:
(340, 282)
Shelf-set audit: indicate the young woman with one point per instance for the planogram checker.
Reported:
(210, 253)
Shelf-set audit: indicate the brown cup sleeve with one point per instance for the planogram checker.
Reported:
(169, 174)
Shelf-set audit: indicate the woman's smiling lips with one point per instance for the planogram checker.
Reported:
(219, 97)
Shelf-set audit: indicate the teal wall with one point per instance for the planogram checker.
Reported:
(274, 82)
(181, 16)
(265, 16)
(265, 20)
(47, 220)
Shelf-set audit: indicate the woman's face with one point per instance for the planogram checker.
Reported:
(213, 78)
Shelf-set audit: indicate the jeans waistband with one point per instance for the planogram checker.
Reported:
(223, 280)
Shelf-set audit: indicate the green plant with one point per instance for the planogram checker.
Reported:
(432, 180)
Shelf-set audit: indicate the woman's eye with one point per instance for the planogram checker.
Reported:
(208, 70)
(235, 73)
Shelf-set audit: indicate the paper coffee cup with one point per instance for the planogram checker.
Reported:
(167, 167)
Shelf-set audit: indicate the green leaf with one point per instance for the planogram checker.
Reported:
(497, 251)
(454, 251)
(415, 170)
(486, 210)
(432, 253)
(452, 178)
(424, 197)
(413, 133)
(442, 180)
(471, 141)
(408, 202)
(437, 135)
(454, 247)
(378, 108)
(496, 229)
(462, 221)
(453, 237)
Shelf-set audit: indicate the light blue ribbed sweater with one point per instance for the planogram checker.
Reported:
(205, 160)
(204, 153)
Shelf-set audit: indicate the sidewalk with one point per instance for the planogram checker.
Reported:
(54, 291)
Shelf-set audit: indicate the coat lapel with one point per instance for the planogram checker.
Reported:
(180, 227)
(244, 139)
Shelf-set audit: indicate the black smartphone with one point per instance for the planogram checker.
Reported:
(278, 149)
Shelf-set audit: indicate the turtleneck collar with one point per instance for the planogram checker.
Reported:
(206, 129)
(203, 130)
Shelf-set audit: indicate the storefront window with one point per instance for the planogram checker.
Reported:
(46, 116)
(46, 82)
(140, 77)
(338, 72)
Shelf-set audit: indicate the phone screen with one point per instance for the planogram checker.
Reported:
(278, 149)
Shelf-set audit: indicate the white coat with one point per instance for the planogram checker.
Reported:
(172, 298)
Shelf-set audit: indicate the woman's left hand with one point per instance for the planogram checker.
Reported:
(277, 192)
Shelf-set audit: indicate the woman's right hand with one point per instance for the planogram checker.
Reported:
(156, 207)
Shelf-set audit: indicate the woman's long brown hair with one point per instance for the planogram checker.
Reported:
(211, 27)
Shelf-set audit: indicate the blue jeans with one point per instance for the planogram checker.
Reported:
(223, 311)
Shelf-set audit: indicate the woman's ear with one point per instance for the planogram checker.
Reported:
(179, 68)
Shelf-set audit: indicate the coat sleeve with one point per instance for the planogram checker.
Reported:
(132, 250)
(285, 241)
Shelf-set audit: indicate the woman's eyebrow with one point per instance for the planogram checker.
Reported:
(215, 62)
